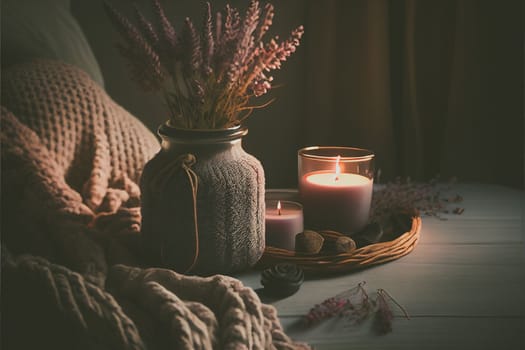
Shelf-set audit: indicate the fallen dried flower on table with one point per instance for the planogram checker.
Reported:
(422, 199)
(355, 305)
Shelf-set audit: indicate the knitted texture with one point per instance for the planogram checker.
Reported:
(91, 138)
(66, 310)
(230, 206)
(70, 161)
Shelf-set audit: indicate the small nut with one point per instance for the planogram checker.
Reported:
(309, 242)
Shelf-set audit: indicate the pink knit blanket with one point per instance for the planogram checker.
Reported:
(71, 160)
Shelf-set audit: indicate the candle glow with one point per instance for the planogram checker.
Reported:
(284, 220)
(335, 187)
(337, 168)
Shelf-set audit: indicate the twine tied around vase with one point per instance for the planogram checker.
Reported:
(184, 162)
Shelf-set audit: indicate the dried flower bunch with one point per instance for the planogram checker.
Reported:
(425, 199)
(207, 77)
(355, 306)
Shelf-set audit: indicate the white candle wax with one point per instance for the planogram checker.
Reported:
(340, 202)
(283, 225)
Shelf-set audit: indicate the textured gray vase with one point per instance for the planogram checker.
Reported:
(229, 202)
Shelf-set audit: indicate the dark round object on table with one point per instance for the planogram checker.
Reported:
(282, 280)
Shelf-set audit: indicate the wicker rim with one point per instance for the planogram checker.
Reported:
(370, 255)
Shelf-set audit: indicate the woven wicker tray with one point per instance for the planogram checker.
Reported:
(360, 258)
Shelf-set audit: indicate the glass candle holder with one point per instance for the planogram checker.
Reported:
(335, 187)
(284, 220)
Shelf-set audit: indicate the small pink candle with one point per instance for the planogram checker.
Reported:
(336, 201)
(284, 220)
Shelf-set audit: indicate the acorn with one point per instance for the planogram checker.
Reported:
(282, 280)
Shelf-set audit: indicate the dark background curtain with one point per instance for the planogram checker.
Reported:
(433, 87)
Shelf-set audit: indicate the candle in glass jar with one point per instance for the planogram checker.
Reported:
(284, 220)
(335, 200)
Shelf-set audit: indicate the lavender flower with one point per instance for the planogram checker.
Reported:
(143, 60)
(228, 43)
(208, 76)
(167, 31)
(147, 28)
(207, 41)
(192, 55)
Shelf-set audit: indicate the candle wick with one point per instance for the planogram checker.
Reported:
(279, 211)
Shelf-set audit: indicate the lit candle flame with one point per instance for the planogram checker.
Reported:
(337, 168)
(279, 207)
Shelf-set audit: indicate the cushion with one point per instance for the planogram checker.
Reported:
(45, 29)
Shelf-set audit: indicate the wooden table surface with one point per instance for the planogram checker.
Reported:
(463, 285)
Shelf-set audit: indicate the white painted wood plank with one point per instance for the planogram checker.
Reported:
(484, 191)
(472, 231)
(488, 209)
(493, 214)
(416, 333)
(426, 290)
(467, 254)
(433, 281)
(463, 285)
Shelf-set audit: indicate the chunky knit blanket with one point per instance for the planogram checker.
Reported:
(72, 276)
